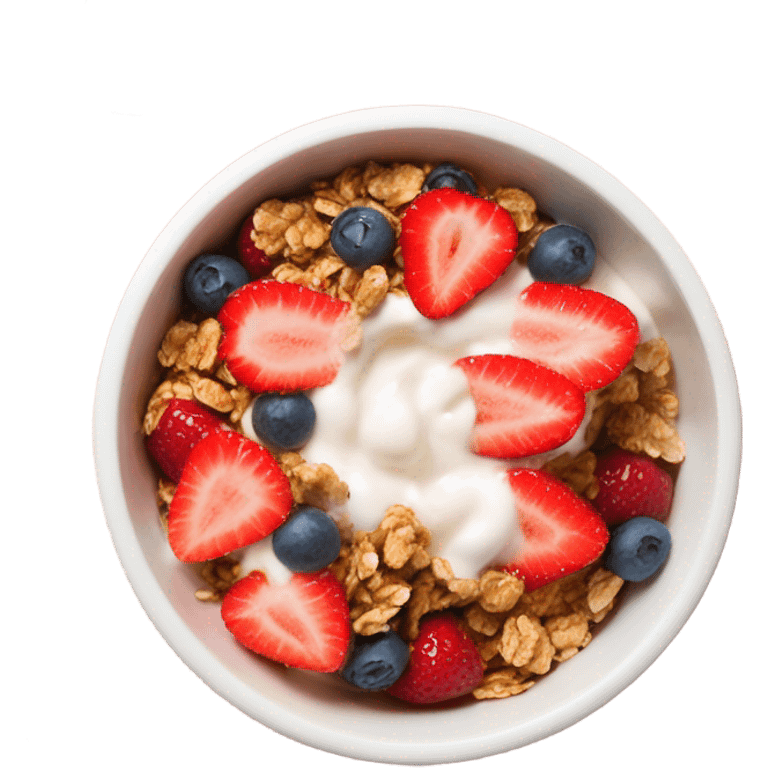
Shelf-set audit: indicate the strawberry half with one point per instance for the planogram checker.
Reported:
(453, 246)
(283, 337)
(303, 623)
(522, 408)
(562, 533)
(585, 335)
(232, 493)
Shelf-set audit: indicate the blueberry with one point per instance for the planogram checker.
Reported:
(638, 548)
(376, 661)
(562, 254)
(450, 175)
(362, 237)
(283, 422)
(210, 278)
(307, 541)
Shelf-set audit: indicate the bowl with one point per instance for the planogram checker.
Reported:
(320, 710)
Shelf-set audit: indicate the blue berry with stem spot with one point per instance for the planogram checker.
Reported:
(638, 548)
(307, 541)
(362, 237)
(283, 422)
(562, 254)
(376, 661)
(210, 278)
(451, 176)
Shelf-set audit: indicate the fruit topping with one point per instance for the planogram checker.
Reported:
(453, 246)
(283, 337)
(376, 661)
(444, 664)
(638, 548)
(283, 422)
(631, 485)
(307, 541)
(303, 623)
(254, 259)
(448, 175)
(585, 335)
(562, 533)
(210, 278)
(182, 426)
(562, 254)
(232, 493)
(522, 408)
(362, 237)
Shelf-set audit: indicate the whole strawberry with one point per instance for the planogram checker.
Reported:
(253, 259)
(631, 485)
(444, 663)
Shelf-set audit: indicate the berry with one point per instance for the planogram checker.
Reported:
(522, 408)
(210, 278)
(182, 426)
(448, 175)
(254, 259)
(638, 548)
(232, 493)
(283, 338)
(376, 661)
(562, 533)
(585, 335)
(631, 485)
(362, 237)
(445, 663)
(307, 541)
(562, 254)
(303, 623)
(453, 246)
(283, 422)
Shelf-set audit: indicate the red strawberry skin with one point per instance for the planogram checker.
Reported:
(453, 245)
(562, 533)
(182, 426)
(522, 408)
(303, 623)
(631, 485)
(280, 337)
(232, 493)
(444, 663)
(253, 259)
(585, 335)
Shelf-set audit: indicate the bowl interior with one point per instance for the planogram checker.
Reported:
(319, 709)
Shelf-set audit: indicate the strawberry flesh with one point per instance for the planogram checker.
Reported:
(522, 408)
(303, 623)
(232, 493)
(453, 246)
(562, 533)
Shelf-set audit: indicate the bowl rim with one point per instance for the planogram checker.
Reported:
(106, 429)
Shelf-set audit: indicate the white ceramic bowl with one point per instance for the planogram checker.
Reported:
(317, 709)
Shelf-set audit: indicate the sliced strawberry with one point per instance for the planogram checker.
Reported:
(232, 493)
(585, 335)
(562, 533)
(283, 337)
(253, 259)
(453, 245)
(522, 408)
(303, 623)
(182, 426)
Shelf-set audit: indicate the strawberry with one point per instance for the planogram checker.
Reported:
(444, 664)
(631, 485)
(585, 335)
(182, 426)
(303, 623)
(562, 533)
(453, 246)
(232, 493)
(252, 258)
(283, 337)
(522, 408)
